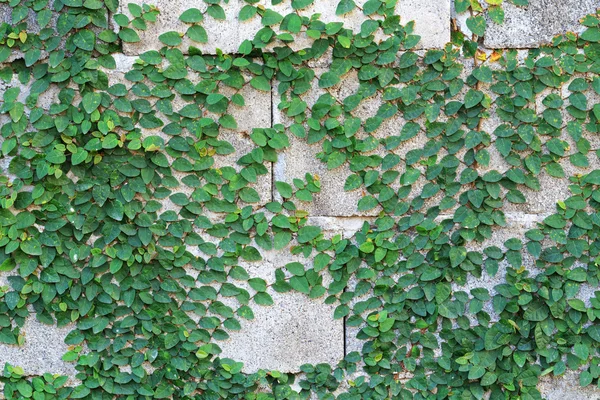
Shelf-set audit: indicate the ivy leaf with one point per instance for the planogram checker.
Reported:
(477, 25)
(197, 33)
(536, 311)
(308, 233)
(216, 11)
(496, 14)
(249, 195)
(284, 189)
(263, 299)
(297, 107)
(128, 35)
(328, 79)
(472, 98)
(271, 17)
(591, 34)
(344, 7)
(191, 16)
(247, 12)
(91, 101)
(170, 38)
(85, 40)
(261, 83)
(31, 246)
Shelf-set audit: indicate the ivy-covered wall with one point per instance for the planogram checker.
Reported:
(300, 199)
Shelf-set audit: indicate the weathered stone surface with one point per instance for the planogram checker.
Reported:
(226, 34)
(432, 19)
(566, 387)
(537, 24)
(300, 158)
(42, 352)
(295, 330)
(291, 332)
(255, 114)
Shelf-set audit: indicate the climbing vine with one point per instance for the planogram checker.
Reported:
(128, 210)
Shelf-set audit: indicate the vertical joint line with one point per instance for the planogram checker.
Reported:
(272, 164)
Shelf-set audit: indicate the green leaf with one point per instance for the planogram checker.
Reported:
(261, 83)
(477, 25)
(344, 7)
(197, 33)
(91, 101)
(85, 39)
(591, 34)
(247, 12)
(128, 35)
(271, 17)
(249, 195)
(297, 107)
(308, 233)
(263, 299)
(191, 16)
(536, 311)
(328, 79)
(284, 189)
(170, 38)
(31, 246)
(216, 11)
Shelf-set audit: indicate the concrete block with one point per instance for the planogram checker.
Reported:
(226, 35)
(255, 114)
(42, 352)
(295, 330)
(300, 158)
(566, 387)
(432, 19)
(291, 332)
(537, 24)
(552, 189)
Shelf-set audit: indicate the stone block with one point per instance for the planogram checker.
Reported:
(295, 330)
(291, 332)
(42, 352)
(552, 189)
(255, 114)
(566, 387)
(226, 35)
(301, 157)
(432, 19)
(538, 23)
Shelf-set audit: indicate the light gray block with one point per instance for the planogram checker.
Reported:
(42, 352)
(295, 330)
(537, 24)
(291, 332)
(255, 114)
(226, 35)
(566, 387)
(432, 19)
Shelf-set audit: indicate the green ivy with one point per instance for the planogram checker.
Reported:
(87, 237)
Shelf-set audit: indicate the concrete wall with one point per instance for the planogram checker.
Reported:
(297, 330)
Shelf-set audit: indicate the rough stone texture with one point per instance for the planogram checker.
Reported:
(226, 35)
(300, 158)
(295, 330)
(255, 114)
(42, 352)
(432, 18)
(291, 332)
(567, 387)
(537, 24)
